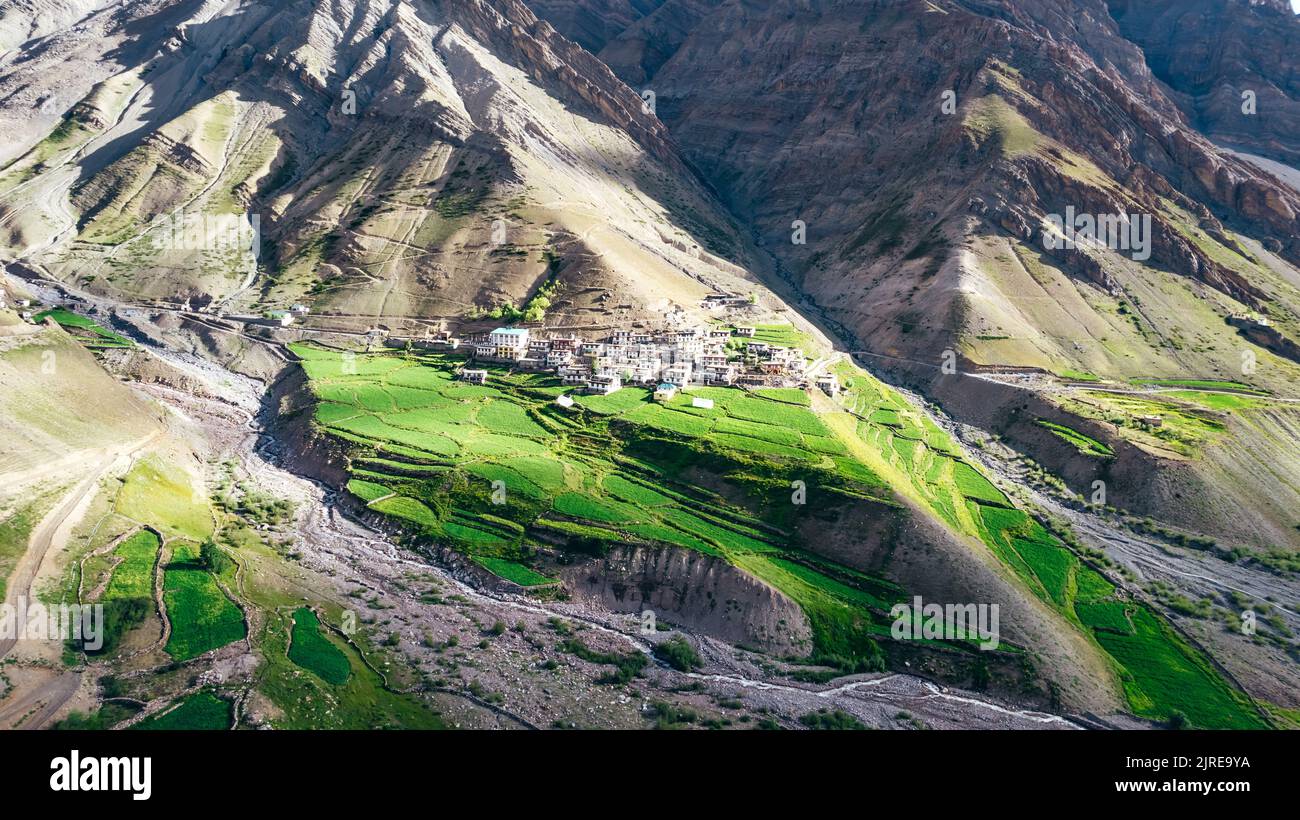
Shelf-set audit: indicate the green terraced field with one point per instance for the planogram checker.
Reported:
(1162, 674)
(1222, 402)
(133, 577)
(202, 617)
(781, 335)
(610, 471)
(94, 335)
(1184, 429)
(368, 490)
(1158, 668)
(431, 451)
(1085, 444)
(313, 651)
(128, 597)
(511, 571)
(1108, 615)
(202, 710)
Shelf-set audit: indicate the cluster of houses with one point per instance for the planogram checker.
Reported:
(1248, 319)
(284, 317)
(23, 306)
(726, 301)
(669, 360)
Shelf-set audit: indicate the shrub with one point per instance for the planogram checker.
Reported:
(836, 720)
(678, 653)
(626, 666)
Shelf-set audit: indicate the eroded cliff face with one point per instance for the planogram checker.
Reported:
(593, 23)
(1210, 52)
(697, 591)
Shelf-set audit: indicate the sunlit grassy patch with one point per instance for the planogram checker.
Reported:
(313, 651)
(200, 711)
(202, 617)
(1085, 444)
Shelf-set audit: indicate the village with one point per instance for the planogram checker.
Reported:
(668, 361)
(720, 354)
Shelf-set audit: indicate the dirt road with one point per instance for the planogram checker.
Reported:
(37, 696)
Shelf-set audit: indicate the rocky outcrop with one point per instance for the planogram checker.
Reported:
(1268, 338)
(593, 23)
(1211, 53)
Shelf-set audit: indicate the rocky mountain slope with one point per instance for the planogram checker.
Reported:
(1210, 54)
(888, 169)
(925, 147)
(401, 160)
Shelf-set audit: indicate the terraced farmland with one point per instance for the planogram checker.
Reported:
(202, 617)
(500, 470)
(200, 711)
(781, 335)
(1185, 429)
(1159, 671)
(1085, 444)
(89, 332)
(314, 652)
(128, 597)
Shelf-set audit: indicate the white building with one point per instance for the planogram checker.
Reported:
(645, 372)
(509, 342)
(828, 384)
(604, 384)
(678, 374)
(473, 376)
(723, 374)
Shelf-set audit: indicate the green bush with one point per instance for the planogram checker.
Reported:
(678, 653)
(836, 720)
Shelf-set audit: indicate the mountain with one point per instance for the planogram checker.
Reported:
(925, 223)
(405, 161)
(1097, 437)
(1210, 54)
